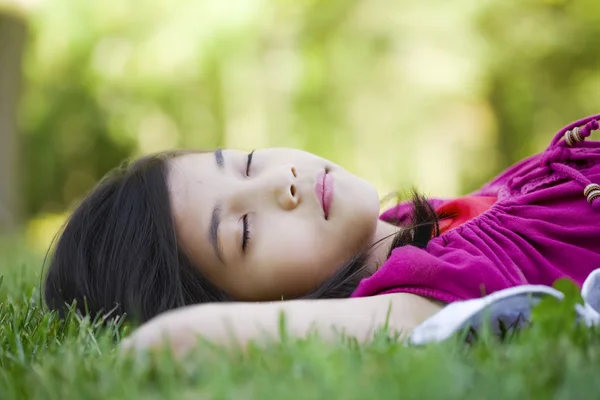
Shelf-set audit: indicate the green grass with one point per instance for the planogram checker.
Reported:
(42, 357)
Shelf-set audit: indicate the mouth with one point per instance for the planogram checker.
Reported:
(324, 190)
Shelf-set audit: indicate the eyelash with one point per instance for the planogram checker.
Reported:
(249, 162)
(246, 235)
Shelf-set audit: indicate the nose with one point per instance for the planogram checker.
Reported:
(274, 187)
(284, 188)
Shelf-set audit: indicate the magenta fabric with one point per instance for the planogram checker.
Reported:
(542, 228)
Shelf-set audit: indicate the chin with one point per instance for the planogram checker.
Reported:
(366, 206)
(370, 199)
(357, 201)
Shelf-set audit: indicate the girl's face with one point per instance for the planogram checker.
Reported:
(272, 224)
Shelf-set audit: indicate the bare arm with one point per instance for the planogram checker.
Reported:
(239, 323)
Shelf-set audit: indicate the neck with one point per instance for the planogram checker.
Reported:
(384, 235)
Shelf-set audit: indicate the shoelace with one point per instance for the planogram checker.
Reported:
(558, 153)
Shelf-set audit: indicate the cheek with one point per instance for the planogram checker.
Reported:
(294, 260)
(292, 242)
(301, 273)
(354, 232)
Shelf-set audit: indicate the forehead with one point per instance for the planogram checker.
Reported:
(192, 182)
(187, 172)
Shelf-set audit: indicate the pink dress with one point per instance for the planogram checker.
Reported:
(544, 224)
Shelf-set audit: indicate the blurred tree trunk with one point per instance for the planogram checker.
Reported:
(12, 42)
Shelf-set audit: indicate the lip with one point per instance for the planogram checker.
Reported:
(324, 190)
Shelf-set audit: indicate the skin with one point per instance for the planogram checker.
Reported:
(292, 248)
(238, 324)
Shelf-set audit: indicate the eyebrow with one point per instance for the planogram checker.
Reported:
(215, 222)
(219, 158)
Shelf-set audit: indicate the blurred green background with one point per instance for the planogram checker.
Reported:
(435, 94)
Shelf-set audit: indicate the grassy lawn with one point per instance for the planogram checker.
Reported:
(42, 357)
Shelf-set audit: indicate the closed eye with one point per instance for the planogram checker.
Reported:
(249, 162)
(246, 234)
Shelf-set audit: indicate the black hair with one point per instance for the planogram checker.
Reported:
(118, 253)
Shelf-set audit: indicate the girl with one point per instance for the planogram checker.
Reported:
(184, 228)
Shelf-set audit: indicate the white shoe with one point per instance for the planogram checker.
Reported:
(507, 309)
